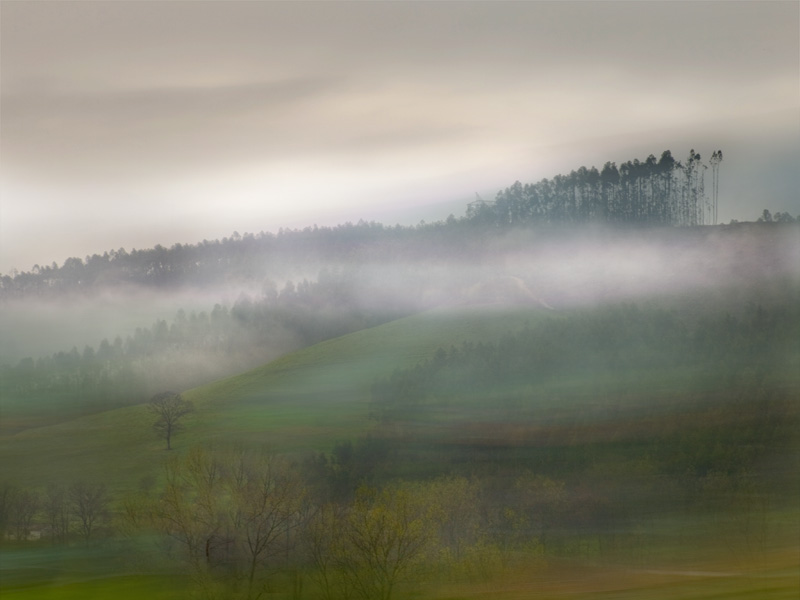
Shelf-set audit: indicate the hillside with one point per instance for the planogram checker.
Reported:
(594, 432)
(116, 346)
(305, 400)
(597, 396)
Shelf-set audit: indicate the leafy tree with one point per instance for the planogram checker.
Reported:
(170, 409)
(385, 539)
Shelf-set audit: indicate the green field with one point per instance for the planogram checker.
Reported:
(308, 401)
(304, 401)
(775, 576)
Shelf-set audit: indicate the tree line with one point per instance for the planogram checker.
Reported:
(198, 347)
(58, 513)
(727, 429)
(653, 192)
(239, 523)
(235, 259)
(613, 342)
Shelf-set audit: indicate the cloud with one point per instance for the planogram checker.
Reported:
(136, 90)
(165, 103)
(223, 104)
(99, 135)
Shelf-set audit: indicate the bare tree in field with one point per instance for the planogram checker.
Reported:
(169, 408)
(24, 506)
(235, 515)
(267, 509)
(56, 509)
(7, 494)
(89, 505)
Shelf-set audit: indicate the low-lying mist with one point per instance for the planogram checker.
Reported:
(113, 344)
(539, 397)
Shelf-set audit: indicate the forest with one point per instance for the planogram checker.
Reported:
(649, 193)
(584, 386)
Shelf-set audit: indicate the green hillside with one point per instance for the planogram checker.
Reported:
(612, 436)
(305, 400)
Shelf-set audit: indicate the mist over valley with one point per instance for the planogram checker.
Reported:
(246, 354)
(576, 377)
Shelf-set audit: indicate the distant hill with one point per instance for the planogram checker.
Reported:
(305, 400)
(647, 193)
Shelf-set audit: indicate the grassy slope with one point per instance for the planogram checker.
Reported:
(773, 579)
(305, 400)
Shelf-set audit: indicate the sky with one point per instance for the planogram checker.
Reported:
(131, 124)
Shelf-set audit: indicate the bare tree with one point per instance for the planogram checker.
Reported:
(189, 510)
(24, 506)
(267, 507)
(56, 509)
(169, 408)
(7, 494)
(89, 505)
(235, 515)
(324, 538)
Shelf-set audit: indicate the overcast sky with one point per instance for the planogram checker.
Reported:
(127, 124)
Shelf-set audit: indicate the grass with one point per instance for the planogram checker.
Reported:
(773, 575)
(42, 570)
(119, 587)
(308, 400)
(303, 401)
(579, 583)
